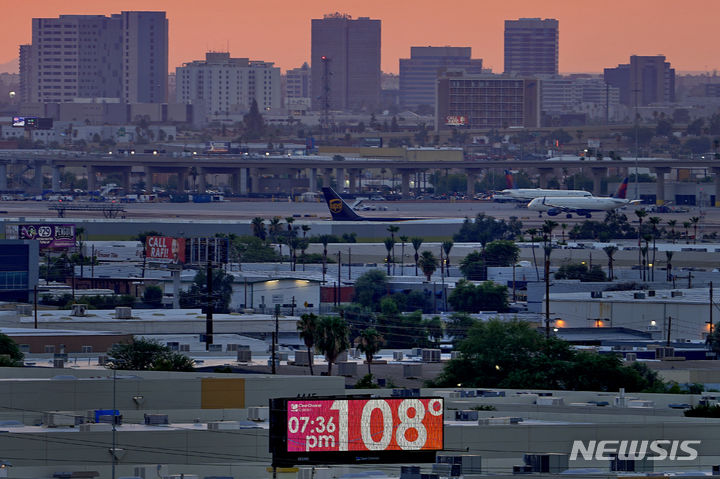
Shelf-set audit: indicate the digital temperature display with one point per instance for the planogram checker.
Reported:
(364, 425)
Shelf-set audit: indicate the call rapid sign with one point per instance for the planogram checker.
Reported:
(165, 250)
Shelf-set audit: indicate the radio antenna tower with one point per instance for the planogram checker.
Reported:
(325, 120)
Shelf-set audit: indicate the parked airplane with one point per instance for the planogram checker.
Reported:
(582, 206)
(524, 194)
(341, 211)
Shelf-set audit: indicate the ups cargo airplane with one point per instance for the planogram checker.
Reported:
(341, 211)
(582, 206)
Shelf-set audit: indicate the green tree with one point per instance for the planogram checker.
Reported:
(258, 227)
(254, 122)
(484, 229)
(458, 326)
(695, 220)
(370, 288)
(332, 338)
(473, 266)
(610, 252)
(501, 253)
(369, 343)
(427, 263)
(144, 354)
(10, 354)
(153, 295)
(307, 327)
(447, 247)
(470, 298)
(580, 271)
(197, 295)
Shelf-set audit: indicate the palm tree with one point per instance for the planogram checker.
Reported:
(80, 235)
(392, 229)
(274, 232)
(403, 240)
(654, 221)
(547, 229)
(369, 343)
(258, 227)
(564, 227)
(695, 220)
(532, 232)
(641, 213)
(610, 252)
(324, 239)
(293, 245)
(290, 220)
(389, 245)
(671, 224)
(447, 246)
(305, 229)
(669, 255)
(303, 244)
(416, 242)
(427, 263)
(332, 338)
(686, 225)
(307, 326)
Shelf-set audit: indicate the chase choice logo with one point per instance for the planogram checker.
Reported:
(335, 205)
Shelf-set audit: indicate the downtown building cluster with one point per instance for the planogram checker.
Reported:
(122, 59)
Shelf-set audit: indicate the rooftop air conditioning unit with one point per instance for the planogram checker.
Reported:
(24, 309)
(639, 295)
(79, 309)
(596, 294)
(676, 293)
(651, 293)
(123, 312)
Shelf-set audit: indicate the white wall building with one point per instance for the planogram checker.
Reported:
(226, 85)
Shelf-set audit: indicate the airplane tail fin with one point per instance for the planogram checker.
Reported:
(621, 192)
(339, 210)
(509, 181)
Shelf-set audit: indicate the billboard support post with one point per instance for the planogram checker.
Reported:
(176, 288)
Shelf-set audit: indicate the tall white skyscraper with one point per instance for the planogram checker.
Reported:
(224, 85)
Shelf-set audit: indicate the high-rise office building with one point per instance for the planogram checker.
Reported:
(297, 87)
(26, 75)
(419, 73)
(93, 56)
(345, 62)
(226, 85)
(145, 56)
(645, 80)
(531, 46)
(486, 101)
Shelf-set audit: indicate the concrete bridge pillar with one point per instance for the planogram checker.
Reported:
(126, 179)
(182, 180)
(353, 175)
(91, 178)
(472, 175)
(327, 178)
(242, 175)
(597, 175)
(660, 185)
(405, 182)
(545, 175)
(3, 177)
(202, 181)
(716, 171)
(312, 180)
(340, 179)
(37, 182)
(148, 178)
(254, 181)
(55, 178)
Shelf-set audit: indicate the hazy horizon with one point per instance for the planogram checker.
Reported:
(592, 36)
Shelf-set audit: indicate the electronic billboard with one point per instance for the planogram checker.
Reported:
(345, 430)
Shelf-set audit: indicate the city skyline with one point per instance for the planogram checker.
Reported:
(618, 29)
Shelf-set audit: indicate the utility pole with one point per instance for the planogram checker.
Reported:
(668, 331)
(339, 278)
(209, 310)
(710, 319)
(442, 276)
(349, 264)
(547, 295)
(273, 356)
(35, 301)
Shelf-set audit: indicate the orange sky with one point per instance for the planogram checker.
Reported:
(593, 34)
